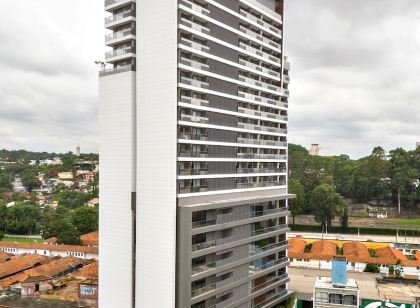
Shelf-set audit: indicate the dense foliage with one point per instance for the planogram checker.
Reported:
(380, 178)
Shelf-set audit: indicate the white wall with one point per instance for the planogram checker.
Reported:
(156, 155)
(117, 99)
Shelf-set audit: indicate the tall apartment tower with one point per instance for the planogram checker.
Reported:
(193, 121)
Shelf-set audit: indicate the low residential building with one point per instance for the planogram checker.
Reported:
(83, 252)
(65, 175)
(89, 176)
(315, 150)
(320, 254)
(33, 285)
(21, 263)
(337, 290)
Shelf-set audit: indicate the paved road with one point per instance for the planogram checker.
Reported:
(361, 238)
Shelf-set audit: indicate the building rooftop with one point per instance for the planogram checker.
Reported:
(90, 239)
(17, 265)
(73, 248)
(326, 282)
(302, 281)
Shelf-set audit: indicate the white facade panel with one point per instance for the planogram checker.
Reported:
(117, 96)
(157, 152)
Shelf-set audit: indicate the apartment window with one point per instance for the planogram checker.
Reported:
(350, 300)
(336, 298)
(321, 297)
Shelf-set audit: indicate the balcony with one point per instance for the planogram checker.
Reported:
(276, 297)
(119, 37)
(195, 101)
(261, 156)
(260, 22)
(116, 70)
(259, 37)
(119, 54)
(242, 257)
(195, 83)
(261, 170)
(257, 113)
(235, 238)
(193, 154)
(260, 184)
(193, 118)
(259, 83)
(193, 171)
(262, 142)
(286, 78)
(256, 269)
(192, 189)
(286, 65)
(260, 128)
(195, 64)
(111, 5)
(201, 291)
(259, 68)
(267, 283)
(195, 26)
(260, 53)
(119, 19)
(272, 14)
(195, 7)
(261, 99)
(191, 136)
(194, 45)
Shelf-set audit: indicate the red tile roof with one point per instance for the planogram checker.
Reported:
(90, 239)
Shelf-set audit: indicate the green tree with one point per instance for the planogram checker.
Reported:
(85, 219)
(23, 219)
(344, 220)
(5, 181)
(326, 204)
(371, 268)
(1, 235)
(30, 180)
(297, 204)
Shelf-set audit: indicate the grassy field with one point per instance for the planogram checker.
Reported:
(411, 222)
(22, 240)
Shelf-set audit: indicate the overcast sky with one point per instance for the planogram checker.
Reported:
(355, 74)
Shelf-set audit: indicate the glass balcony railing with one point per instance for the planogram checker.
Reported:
(262, 156)
(195, 101)
(260, 53)
(260, 22)
(238, 237)
(269, 12)
(267, 283)
(192, 189)
(118, 35)
(120, 16)
(195, 83)
(193, 171)
(195, 26)
(260, 128)
(259, 37)
(255, 269)
(195, 7)
(110, 2)
(195, 64)
(259, 83)
(116, 70)
(118, 53)
(194, 118)
(191, 136)
(261, 170)
(194, 45)
(262, 142)
(193, 154)
(261, 184)
(257, 113)
(201, 291)
(278, 295)
(259, 68)
(262, 99)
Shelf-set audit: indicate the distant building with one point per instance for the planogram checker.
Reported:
(88, 293)
(417, 145)
(337, 290)
(65, 175)
(78, 150)
(315, 150)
